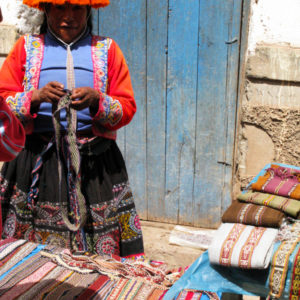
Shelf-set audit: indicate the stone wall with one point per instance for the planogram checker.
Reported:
(269, 128)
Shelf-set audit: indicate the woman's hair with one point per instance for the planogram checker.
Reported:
(44, 26)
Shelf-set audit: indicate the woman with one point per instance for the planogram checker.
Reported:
(71, 91)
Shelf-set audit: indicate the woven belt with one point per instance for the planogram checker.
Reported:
(70, 149)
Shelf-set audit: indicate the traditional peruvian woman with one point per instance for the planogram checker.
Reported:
(72, 91)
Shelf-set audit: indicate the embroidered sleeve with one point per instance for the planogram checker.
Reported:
(20, 106)
(12, 135)
(12, 78)
(117, 105)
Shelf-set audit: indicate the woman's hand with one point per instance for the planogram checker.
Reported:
(84, 97)
(50, 93)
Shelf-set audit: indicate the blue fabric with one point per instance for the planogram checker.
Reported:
(35, 251)
(201, 275)
(54, 69)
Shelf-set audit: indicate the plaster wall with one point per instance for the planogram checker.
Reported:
(274, 22)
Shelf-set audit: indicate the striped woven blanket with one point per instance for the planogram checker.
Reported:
(243, 246)
(286, 250)
(278, 180)
(289, 206)
(252, 214)
(33, 271)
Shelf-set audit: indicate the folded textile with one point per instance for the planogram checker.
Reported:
(252, 214)
(244, 246)
(287, 205)
(279, 180)
(280, 261)
(295, 280)
(289, 230)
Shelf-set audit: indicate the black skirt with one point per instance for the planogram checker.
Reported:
(112, 225)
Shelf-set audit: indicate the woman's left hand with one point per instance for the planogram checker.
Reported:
(84, 97)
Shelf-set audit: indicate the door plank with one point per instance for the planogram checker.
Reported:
(181, 109)
(157, 50)
(213, 143)
(232, 75)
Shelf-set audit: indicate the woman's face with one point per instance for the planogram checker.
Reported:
(67, 20)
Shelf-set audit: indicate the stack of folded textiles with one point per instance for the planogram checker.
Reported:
(265, 214)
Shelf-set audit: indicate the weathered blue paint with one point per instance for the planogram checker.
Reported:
(217, 79)
(157, 51)
(183, 57)
(181, 108)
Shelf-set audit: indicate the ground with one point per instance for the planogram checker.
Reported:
(157, 247)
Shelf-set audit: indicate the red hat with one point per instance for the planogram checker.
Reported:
(92, 3)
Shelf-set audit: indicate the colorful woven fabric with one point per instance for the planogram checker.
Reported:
(280, 181)
(280, 261)
(295, 282)
(85, 264)
(243, 246)
(196, 295)
(252, 214)
(287, 205)
(27, 282)
(50, 272)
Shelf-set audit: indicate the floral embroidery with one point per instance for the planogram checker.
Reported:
(20, 103)
(111, 109)
(10, 225)
(107, 244)
(111, 225)
(130, 226)
(34, 46)
(99, 57)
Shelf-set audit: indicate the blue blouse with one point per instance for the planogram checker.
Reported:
(54, 69)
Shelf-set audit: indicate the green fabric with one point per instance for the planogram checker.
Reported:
(287, 205)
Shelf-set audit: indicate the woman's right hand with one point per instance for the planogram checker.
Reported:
(50, 93)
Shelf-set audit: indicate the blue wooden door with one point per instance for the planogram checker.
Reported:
(183, 57)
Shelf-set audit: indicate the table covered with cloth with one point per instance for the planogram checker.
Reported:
(278, 279)
(33, 271)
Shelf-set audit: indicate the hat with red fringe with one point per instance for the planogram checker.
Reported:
(92, 3)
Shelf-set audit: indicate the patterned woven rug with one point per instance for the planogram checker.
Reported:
(33, 271)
